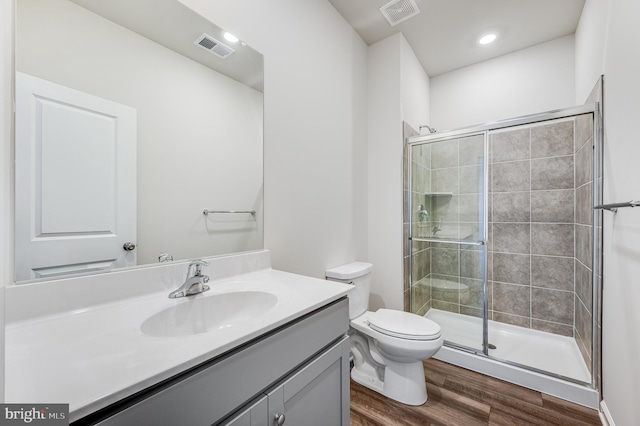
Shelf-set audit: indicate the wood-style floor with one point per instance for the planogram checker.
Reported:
(459, 397)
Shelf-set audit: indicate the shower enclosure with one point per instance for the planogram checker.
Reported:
(500, 232)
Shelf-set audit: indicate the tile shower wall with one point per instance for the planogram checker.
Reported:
(592, 317)
(456, 200)
(416, 256)
(584, 310)
(447, 181)
(531, 226)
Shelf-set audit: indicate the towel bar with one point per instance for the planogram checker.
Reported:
(615, 206)
(207, 211)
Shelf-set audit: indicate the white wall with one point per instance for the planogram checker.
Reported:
(537, 79)
(415, 88)
(590, 43)
(621, 287)
(198, 130)
(385, 172)
(315, 128)
(398, 91)
(6, 166)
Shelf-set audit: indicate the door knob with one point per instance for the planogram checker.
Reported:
(128, 246)
(280, 419)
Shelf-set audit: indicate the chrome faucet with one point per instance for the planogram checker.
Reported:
(194, 283)
(165, 257)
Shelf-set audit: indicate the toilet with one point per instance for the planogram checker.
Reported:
(387, 346)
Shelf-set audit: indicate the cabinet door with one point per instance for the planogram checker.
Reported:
(316, 395)
(255, 415)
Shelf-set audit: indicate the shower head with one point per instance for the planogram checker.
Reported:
(431, 130)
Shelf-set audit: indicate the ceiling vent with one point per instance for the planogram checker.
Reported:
(214, 46)
(398, 11)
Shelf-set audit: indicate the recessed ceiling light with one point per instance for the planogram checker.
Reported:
(231, 38)
(487, 38)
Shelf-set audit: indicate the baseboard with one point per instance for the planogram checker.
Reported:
(605, 415)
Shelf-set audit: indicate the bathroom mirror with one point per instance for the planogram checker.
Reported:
(132, 118)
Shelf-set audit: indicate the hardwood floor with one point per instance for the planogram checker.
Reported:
(459, 397)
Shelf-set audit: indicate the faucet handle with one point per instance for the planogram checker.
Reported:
(165, 257)
(198, 267)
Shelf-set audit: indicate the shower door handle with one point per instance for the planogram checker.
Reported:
(459, 242)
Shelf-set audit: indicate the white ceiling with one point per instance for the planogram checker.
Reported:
(443, 36)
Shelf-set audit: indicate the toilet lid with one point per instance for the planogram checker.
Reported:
(404, 325)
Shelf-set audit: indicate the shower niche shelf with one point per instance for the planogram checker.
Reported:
(436, 200)
(440, 196)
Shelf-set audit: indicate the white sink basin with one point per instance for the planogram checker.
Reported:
(209, 313)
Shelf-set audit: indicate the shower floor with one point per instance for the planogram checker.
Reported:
(543, 351)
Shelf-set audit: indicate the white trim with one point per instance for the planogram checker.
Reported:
(605, 415)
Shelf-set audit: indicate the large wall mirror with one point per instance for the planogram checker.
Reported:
(132, 117)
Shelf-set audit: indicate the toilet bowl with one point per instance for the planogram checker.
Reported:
(387, 346)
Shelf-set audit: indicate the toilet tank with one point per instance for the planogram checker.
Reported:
(357, 274)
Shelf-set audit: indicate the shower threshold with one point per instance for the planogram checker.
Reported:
(542, 351)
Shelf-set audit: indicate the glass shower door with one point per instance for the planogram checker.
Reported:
(448, 233)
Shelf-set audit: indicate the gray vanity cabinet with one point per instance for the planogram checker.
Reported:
(311, 396)
(296, 375)
(256, 414)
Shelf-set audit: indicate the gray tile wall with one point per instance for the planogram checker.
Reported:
(456, 203)
(416, 256)
(584, 148)
(596, 96)
(532, 231)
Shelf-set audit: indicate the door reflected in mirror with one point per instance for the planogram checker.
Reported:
(98, 187)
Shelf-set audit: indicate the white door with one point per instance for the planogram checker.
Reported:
(75, 180)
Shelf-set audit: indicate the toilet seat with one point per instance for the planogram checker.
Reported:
(404, 325)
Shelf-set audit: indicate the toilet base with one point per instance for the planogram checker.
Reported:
(403, 382)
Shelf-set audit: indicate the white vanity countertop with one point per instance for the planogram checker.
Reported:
(90, 358)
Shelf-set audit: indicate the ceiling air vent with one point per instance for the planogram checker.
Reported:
(398, 11)
(214, 46)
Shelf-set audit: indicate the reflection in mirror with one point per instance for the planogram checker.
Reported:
(127, 129)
